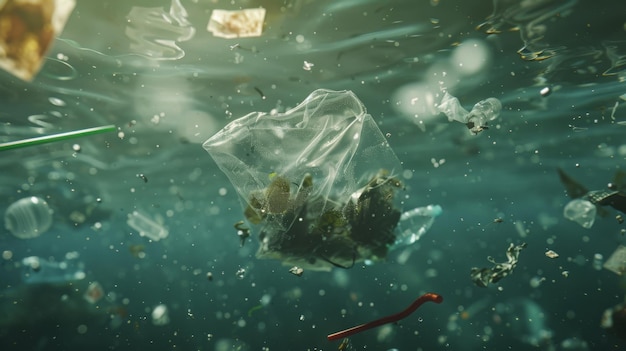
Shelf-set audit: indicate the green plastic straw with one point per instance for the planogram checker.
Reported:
(56, 137)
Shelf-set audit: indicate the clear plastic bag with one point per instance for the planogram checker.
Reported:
(318, 179)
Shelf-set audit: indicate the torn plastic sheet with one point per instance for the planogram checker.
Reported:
(27, 30)
(482, 277)
(155, 34)
(318, 179)
(477, 119)
(237, 24)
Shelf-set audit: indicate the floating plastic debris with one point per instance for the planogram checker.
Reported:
(482, 277)
(56, 137)
(597, 261)
(28, 218)
(160, 315)
(432, 297)
(39, 270)
(155, 33)
(614, 196)
(295, 270)
(617, 262)
(243, 232)
(475, 120)
(146, 226)
(551, 254)
(94, 292)
(27, 30)
(580, 211)
(415, 223)
(237, 24)
(319, 179)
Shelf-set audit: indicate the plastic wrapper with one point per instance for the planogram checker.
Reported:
(319, 181)
(237, 24)
(477, 119)
(27, 30)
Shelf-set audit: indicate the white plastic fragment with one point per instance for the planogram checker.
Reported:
(551, 254)
(237, 24)
(160, 315)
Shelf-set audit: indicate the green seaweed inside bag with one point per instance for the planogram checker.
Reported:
(319, 180)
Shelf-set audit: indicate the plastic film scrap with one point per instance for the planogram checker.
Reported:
(617, 262)
(475, 120)
(318, 180)
(27, 30)
(482, 277)
(237, 24)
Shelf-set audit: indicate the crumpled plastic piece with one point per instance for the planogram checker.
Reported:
(237, 24)
(27, 30)
(482, 277)
(318, 179)
(155, 33)
(580, 211)
(475, 120)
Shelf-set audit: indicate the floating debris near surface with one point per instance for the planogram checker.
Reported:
(477, 119)
(308, 183)
(146, 226)
(295, 270)
(94, 292)
(482, 277)
(551, 254)
(237, 24)
(617, 262)
(545, 91)
(160, 315)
